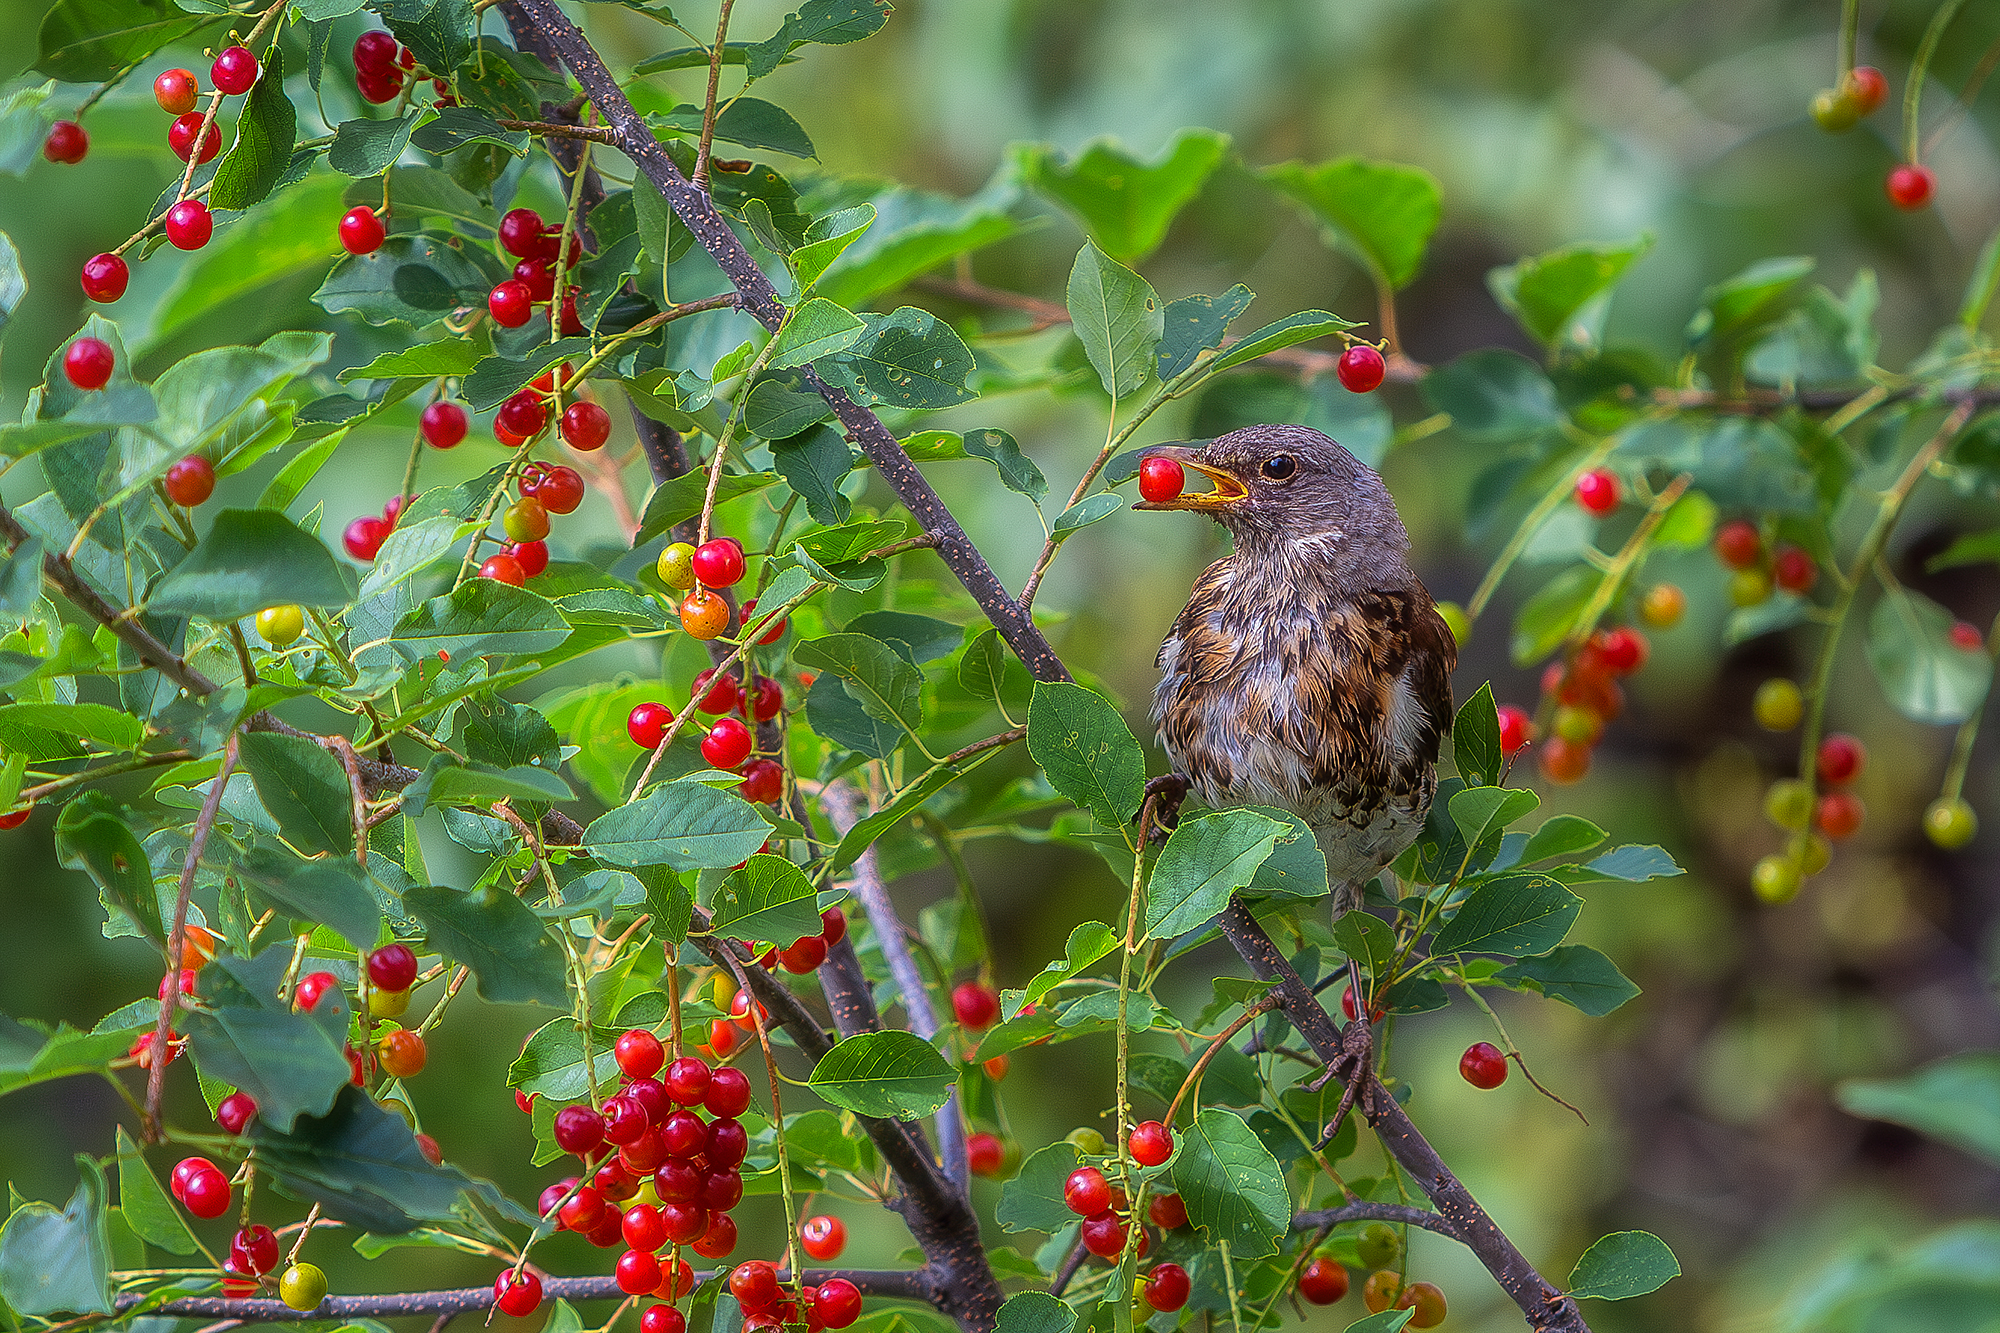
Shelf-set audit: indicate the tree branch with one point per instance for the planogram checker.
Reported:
(1326, 1218)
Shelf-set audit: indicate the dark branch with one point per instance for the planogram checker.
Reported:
(1326, 1218)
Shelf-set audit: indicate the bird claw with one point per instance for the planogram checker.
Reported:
(1166, 792)
(1357, 1057)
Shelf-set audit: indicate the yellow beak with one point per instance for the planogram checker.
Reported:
(1227, 489)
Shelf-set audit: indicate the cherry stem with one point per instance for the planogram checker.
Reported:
(1913, 93)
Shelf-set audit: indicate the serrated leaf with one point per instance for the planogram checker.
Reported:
(1033, 1199)
(331, 891)
(768, 901)
(1287, 332)
(889, 1074)
(888, 688)
(1576, 974)
(1518, 916)
(512, 957)
(483, 618)
(1118, 318)
(1479, 811)
(244, 1035)
(1475, 740)
(265, 133)
(681, 825)
(1561, 835)
(1380, 212)
(1232, 1186)
(1206, 859)
(1087, 751)
(59, 1261)
(413, 279)
(1549, 292)
(1018, 472)
(304, 788)
(251, 559)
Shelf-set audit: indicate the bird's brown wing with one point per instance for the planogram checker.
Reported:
(1434, 653)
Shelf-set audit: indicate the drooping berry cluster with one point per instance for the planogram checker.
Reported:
(1582, 695)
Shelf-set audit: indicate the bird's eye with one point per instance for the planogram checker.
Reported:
(1278, 467)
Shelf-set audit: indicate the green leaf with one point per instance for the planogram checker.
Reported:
(1018, 472)
(447, 783)
(457, 126)
(1368, 940)
(281, 240)
(369, 147)
(1955, 1100)
(24, 127)
(815, 328)
(251, 559)
(827, 239)
(1117, 316)
(92, 835)
(905, 803)
(1621, 1265)
(332, 891)
(483, 618)
(1296, 868)
(888, 688)
(1087, 751)
(1634, 863)
(512, 957)
(1924, 675)
(909, 359)
(304, 788)
(89, 41)
(144, 1203)
(1206, 859)
(681, 825)
(887, 1074)
(1560, 835)
(749, 121)
(1387, 1321)
(1287, 332)
(1972, 549)
(1194, 324)
(291, 1062)
(924, 638)
(1034, 1312)
(814, 464)
(1479, 811)
(265, 133)
(1126, 204)
(1231, 1185)
(361, 1163)
(59, 1262)
(415, 279)
(831, 22)
(1493, 396)
(1555, 295)
(1475, 740)
(982, 672)
(681, 499)
(1087, 943)
(1033, 1199)
(1548, 617)
(552, 1064)
(1090, 509)
(1749, 300)
(55, 731)
(1381, 213)
(916, 231)
(1980, 287)
(1517, 916)
(1576, 974)
(768, 901)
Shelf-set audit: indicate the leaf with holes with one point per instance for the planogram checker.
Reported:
(908, 358)
(1087, 751)
(1117, 316)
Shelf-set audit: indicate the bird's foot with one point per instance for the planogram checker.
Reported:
(1356, 1060)
(1166, 792)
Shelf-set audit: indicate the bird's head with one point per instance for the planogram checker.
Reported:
(1282, 484)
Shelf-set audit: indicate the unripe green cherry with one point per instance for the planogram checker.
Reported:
(1789, 803)
(1379, 1246)
(1086, 1141)
(676, 566)
(1748, 587)
(1778, 706)
(526, 521)
(280, 626)
(1835, 109)
(1456, 621)
(302, 1287)
(1775, 879)
(388, 1003)
(1950, 822)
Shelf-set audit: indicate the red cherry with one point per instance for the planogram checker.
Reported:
(727, 1144)
(1515, 726)
(180, 137)
(639, 1053)
(763, 783)
(189, 225)
(524, 415)
(676, 1181)
(561, 490)
(1868, 88)
(718, 1239)
(1360, 368)
(578, 1129)
(1597, 491)
(1104, 1235)
(175, 91)
(87, 363)
(406, 58)
(1967, 636)
(1161, 480)
(985, 1155)
(1483, 1065)
(374, 52)
(626, 1122)
(1910, 186)
(234, 71)
(521, 233)
(1564, 761)
(393, 967)
(723, 1190)
(728, 1093)
(1323, 1281)
(717, 694)
(235, 1112)
(15, 818)
(1839, 815)
(503, 568)
(684, 1222)
(719, 563)
(643, 1229)
(1738, 545)
(535, 274)
(392, 509)
(722, 1038)
(810, 951)
(976, 1006)
(510, 303)
(571, 325)
(1087, 1192)
(769, 700)
(312, 987)
(774, 632)
(258, 1248)
(185, 1170)
(651, 1094)
(364, 537)
(754, 1285)
(586, 426)
(1151, 1143)
(687, 1080)
(727, 744)
(379, 88)
(1840, 759)
(1794, 570)
(1167, 1211)
(662, 1319)
(206, 1193)
(104, 277)
(609, 1230)
(517, 1294)
(823, 1237)
(837, 1302)
(1167, 1287)
(361, 231)
(444, 424)
(66, 142)
(613, 1181)
(1624, 650)
(833, 926)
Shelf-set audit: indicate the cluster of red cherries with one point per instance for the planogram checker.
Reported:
(651, 1131)
(536, 248)
(1584, 694)
(729, 741)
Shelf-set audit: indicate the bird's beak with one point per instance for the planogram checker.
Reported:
(1227, 489)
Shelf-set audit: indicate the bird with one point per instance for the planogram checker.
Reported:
(1310, 669)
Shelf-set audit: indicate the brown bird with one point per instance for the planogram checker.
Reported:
(1310, 669)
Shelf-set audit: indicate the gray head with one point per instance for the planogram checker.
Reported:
(1285, 485)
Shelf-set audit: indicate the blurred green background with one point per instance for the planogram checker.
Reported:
(1709, 1097)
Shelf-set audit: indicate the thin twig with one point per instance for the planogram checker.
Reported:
(714, 80)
